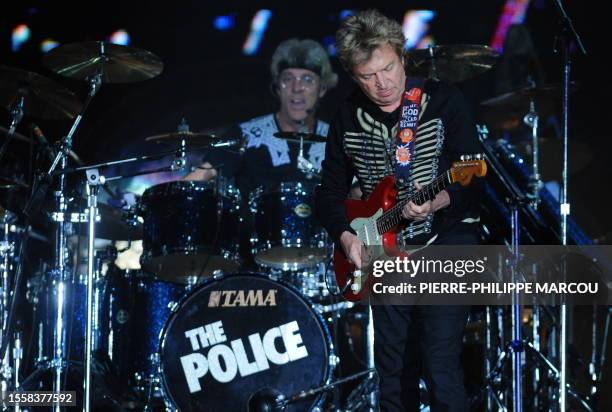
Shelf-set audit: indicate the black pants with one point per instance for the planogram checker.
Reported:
(415, 341)
(411, 342)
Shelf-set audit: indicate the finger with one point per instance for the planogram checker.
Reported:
(417, 185)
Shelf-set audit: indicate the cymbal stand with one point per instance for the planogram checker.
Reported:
(60, 273)
(180, 161)
(567, 34)
(16, 116)
(94, 180)
(433, 70)
(304, 164)
(7, 254)
(535, 183)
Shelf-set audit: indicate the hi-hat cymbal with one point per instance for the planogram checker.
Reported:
(191, 138)
(506, 112)
(116, 63)
(452, 63)
(296, 137)
(43, 98)
(550, 160)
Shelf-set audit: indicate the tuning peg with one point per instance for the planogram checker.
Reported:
(479, 156)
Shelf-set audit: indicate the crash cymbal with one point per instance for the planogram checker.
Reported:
(43, 98)
(115, 224)
(116, 63)
(551, 156)
(452, 63)
(525, 95)
(191, 138)
(506, 112)
(295, 137)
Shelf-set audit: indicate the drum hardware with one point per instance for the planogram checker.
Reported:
(87, 61)
(26, 93)
(451, 63)
(272, 400)
(16, 115)
(301, 137)
(506, 112)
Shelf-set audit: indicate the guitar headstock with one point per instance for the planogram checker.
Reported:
(469, 166)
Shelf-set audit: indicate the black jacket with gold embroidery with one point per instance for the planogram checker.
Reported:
(361, 143)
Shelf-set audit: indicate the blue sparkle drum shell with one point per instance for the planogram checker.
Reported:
(286, 234)
(190, 230)
(237, 335)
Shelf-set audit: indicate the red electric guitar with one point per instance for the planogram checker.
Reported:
(376, 220)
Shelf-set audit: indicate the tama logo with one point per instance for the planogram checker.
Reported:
(233, 298)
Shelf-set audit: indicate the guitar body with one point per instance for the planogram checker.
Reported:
(361, 215)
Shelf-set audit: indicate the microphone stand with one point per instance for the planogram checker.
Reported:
(568, 33)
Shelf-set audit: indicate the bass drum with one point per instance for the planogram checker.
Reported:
(237, 335)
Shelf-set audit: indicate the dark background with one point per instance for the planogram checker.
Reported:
(208, 81)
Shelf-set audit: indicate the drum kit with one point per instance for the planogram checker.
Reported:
(155, 308)
(124, 316)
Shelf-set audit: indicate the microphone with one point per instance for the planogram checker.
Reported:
(267, 400)
(39, 135)
(241, 143)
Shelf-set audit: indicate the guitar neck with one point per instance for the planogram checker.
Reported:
(392, 217)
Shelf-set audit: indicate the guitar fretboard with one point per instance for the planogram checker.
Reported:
(392, 217)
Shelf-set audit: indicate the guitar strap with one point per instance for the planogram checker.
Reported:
(407, 128)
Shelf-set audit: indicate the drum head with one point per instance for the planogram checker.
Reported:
(238, 335)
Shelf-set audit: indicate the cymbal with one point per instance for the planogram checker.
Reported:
(189, 137)
(550, 160)
(452, 63)
(118, 64)
(16, 135)
(8, 183)
(115, 226)
(506, 112)
(43, 98)
(295, 137)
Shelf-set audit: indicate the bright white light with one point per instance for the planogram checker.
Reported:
(120, 37)
(415, 26)
(259, 24)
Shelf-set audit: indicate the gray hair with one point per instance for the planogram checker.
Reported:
(303, 54)
(360, 34)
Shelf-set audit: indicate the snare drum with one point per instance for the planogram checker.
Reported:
(239, 334)
(286, 234)
(190, 230)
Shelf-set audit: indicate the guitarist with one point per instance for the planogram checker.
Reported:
(410, 341)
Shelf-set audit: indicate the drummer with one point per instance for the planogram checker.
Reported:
(301, 75)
